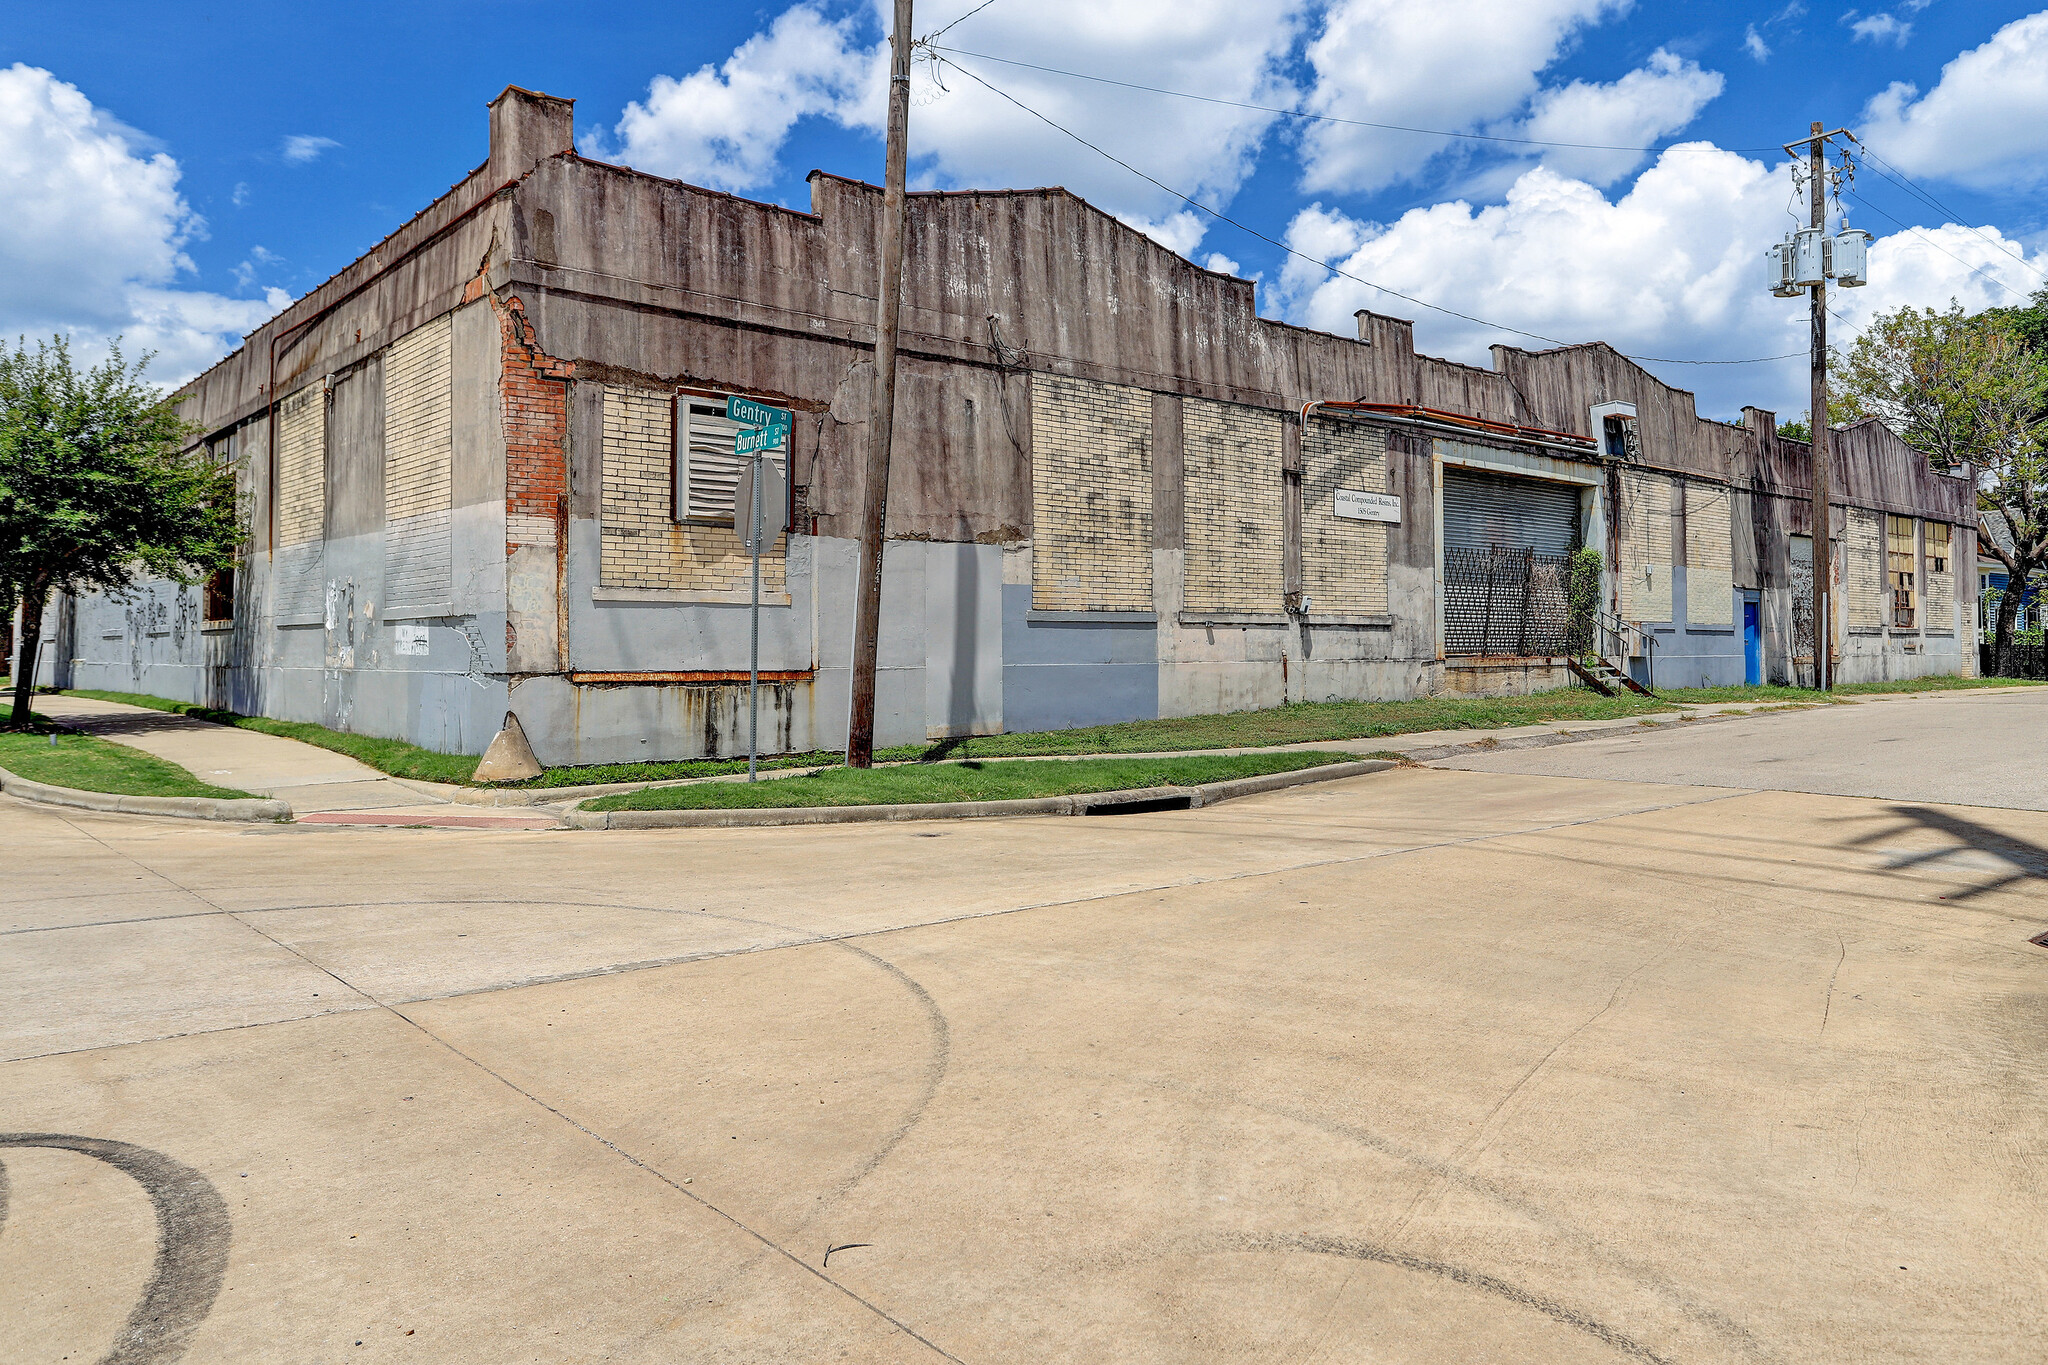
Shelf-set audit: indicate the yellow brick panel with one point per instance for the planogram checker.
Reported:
(1863, 569)
(419, 455)
(1091, 496)
(1645, 546)
(1343, 563)
(1941, 578)
(1231, 507)
(1709, 556)
(643, 546)
(302, 466)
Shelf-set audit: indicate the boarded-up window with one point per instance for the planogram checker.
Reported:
(302, 466)
(647, 460)
(219, 596)
(707, 471)
(1645, 566)
(1230, 513)
(1862, 570)
(301, 503)
(1709, 556)
(1901, 577)
(1941, 579)
(1343, 561)
(419, 458)
(1091, 496)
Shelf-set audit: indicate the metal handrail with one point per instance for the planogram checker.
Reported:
(1619, 639)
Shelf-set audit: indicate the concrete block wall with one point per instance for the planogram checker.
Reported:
(1231, 508)
(1091, 496)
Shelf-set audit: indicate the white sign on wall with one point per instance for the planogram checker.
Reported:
(1353, 505)
(410, 640)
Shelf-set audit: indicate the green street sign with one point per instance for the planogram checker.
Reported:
(749, 413)
(760, 438)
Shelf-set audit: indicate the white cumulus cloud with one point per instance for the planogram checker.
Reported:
(964, 134)
(1985, 124)
(1457, 65)
(93, 235)
(1753, 43)
(1672, 268)
(1656, 99)
(724, 126)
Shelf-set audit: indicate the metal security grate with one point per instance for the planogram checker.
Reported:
(1505, 601)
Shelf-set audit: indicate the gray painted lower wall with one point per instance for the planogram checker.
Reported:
(961, 653)
(1060, 674)
(343, 670)
(1697, 656)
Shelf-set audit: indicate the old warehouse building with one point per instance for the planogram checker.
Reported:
(486, 469)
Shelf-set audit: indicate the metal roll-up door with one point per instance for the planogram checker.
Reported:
(1482, 511)
(1507, 544)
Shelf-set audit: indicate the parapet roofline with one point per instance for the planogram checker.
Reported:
(705, 190)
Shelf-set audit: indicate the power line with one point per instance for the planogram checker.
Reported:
(1325, 265)
(1906, 182)
(1983, 270)
(927, 40)
(1300, 114)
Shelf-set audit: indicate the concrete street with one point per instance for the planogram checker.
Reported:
(1612, 1052)
(1972, 748)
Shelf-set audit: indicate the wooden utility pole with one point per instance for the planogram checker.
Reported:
(1817, 425)
(867, 614)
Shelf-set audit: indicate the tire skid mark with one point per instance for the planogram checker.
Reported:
(192, 1245)
(1713, 1319)
(1359, 1250)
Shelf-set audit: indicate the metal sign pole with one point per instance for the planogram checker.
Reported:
(754, 629)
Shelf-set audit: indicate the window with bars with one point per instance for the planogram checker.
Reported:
(707, 468)
(1900, 575)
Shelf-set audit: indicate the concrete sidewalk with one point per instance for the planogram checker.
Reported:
(321, 786)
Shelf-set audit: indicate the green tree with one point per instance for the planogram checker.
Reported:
(1964, 388)
(96, 486)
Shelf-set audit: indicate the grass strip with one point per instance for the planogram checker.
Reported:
(393, 756)
(84, 763)
(1300, 723)
(966, 781)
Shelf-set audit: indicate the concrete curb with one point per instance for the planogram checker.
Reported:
(1130, 801)
(254, 810)
(563, 796)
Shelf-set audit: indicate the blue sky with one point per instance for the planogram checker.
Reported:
(184, 168)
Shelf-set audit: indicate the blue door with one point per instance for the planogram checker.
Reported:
(1752, 646)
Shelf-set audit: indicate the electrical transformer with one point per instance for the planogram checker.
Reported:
(1813, 257)
(1778, 267)
(1852, 258)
